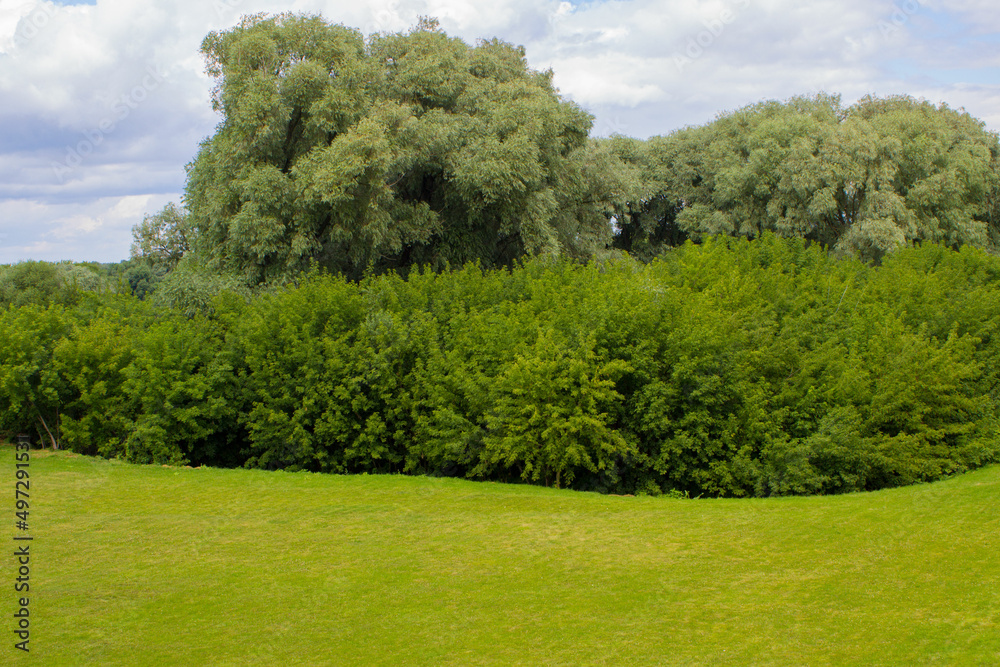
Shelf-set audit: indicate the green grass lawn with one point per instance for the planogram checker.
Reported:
(148, 565)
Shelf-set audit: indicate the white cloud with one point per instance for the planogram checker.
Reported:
(98, 230)
(609, 79)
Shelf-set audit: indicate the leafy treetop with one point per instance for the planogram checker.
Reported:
(382, 153)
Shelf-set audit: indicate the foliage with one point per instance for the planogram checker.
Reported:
(183, 390)
(729, 368)
(47, 283)
(401, 150)
(866, 179)
(646, 222)
(297, 347)
(550, 415)
(192, 288)
(30, 391)
(161, 240)
(370, 155)
(91, 360)
(725, 368)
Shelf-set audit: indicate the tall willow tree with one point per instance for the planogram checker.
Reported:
(866, 178)
(382, 153)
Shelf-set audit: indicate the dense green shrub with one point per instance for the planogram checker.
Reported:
(550, 415)
(183, 393)
(729, 368)
(31, 391)
(92, 360)
(293, 341)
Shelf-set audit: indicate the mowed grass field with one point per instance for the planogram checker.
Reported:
(148, 565)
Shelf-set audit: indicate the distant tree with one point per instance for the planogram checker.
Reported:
(47, 283)
(143, 278)
(163, 238)
(30, 282)
(865, 179)
(646, 224)
(136, 276)
(383, 153)
(192, 287)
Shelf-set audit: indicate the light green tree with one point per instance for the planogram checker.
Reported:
(865, 179)
(381, 153)
(163, 238)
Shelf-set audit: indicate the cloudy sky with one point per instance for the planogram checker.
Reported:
(103, 102)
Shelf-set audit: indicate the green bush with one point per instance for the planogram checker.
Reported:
(729, 368)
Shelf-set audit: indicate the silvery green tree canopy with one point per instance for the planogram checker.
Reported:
(397, 150)
(865, 179)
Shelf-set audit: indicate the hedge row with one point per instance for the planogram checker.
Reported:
(729, 368)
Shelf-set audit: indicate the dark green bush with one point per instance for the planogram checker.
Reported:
(728, 368)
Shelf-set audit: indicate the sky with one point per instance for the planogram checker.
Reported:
(104, 102)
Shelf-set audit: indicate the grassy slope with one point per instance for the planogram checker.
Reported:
(142, 565)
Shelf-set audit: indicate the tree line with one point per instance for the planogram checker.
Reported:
(725, 368)
(369, 155)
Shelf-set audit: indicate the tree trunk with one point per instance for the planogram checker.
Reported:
(55, 445)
